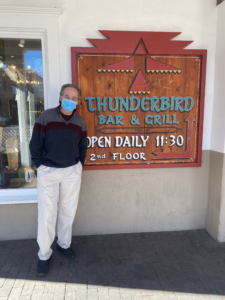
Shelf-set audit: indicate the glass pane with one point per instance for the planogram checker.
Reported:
(21, 102)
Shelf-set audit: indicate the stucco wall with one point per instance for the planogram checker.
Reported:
(214, 193)
(221, 234)
(128, 201)
(218, 127)
(215, 223)
(163, 199)
(131, 200)
(195, 19)
(143, 200)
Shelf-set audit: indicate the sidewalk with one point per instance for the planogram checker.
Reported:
(167, 265)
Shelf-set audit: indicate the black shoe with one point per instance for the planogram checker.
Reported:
(43, 267)
(67, 253)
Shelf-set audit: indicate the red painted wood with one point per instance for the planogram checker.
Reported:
(139, 84)
(156, 43)
(126, 42)
(140, 50)
(152, 64)
(201, 106)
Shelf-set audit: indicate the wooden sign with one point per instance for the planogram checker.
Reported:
(142, 100)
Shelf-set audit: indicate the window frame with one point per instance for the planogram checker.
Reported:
(41, 35)
(51, 93)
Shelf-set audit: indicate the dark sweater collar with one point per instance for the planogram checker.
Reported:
(58, 111)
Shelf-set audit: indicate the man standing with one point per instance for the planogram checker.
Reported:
(58, 148)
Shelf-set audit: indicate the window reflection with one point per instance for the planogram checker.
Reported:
(21, 102)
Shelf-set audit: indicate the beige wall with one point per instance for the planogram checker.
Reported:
(116, 201)
(215, 221)
(18, 221)
(141, 200)
(214, 193)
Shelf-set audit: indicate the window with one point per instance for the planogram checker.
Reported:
(21, 102)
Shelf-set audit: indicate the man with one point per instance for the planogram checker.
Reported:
(58, 148)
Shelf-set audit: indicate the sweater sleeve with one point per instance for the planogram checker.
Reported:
(37, 141)
(83, 144)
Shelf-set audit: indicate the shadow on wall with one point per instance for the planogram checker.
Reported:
(121, 265)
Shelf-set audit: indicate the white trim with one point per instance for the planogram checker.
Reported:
(34, 25)
(33, 33)
(15, 30)
(17, 196)
(54, 12)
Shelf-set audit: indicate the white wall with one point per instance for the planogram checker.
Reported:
(215, 222)
(196, 19)
(142, 209)
(118, 201)
(125, 201)
(163, 199)
(218, 128)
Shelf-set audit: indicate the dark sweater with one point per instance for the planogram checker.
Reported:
(65, 117)
(57, 143)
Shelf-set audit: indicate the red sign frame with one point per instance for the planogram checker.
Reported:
(157, 43)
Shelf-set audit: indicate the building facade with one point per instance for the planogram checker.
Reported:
(35, 60)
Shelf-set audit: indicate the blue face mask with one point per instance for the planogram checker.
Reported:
(68, 105)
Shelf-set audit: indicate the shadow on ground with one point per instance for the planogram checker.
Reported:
(188, 262)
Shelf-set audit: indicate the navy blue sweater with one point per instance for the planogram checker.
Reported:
(57, 143)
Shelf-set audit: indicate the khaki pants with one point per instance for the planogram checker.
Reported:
(57, 188)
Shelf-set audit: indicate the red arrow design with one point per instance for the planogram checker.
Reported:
(187, 153)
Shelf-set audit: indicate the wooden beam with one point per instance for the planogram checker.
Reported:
(219, 1)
